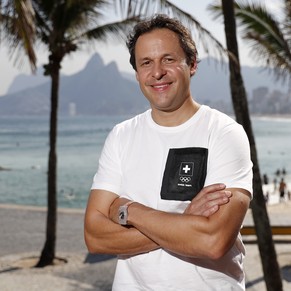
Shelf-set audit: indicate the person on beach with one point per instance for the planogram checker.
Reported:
(173, 183)
(282, 189)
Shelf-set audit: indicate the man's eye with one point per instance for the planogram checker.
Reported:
(145, 63)
(168, 60)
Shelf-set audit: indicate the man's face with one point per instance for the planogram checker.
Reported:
(162, 71)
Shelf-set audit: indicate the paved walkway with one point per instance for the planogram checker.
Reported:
(279, 214)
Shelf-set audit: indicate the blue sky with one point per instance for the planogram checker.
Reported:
(119, 53)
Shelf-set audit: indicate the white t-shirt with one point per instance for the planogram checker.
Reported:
(140, 160)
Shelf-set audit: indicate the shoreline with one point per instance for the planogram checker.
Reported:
(272, 116)
(267, 188)
(40, 208)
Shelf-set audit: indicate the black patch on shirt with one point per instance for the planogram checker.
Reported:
(185, 173)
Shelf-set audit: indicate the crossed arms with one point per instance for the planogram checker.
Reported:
(207, 229)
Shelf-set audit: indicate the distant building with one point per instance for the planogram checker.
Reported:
(265, 102)
(258, 101)
(72, 109)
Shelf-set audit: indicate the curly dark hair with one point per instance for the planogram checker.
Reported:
(163, 21)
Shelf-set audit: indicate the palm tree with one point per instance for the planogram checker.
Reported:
(63, 27)
(261, 220)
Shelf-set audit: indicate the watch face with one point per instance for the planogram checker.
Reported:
(122, 215)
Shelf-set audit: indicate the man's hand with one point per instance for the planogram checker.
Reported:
(208, 200)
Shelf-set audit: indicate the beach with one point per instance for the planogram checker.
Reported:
(22, 237)
(22, 231)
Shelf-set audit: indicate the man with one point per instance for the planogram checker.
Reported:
(173, 183)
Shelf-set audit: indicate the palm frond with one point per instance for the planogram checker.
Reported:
(148, 8)
(268, 38)
(115, 30)
(18, 29)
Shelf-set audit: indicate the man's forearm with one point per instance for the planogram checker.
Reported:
(168, 230)
(108, 237)
(193, 235)
(182, 234)
(199, 232)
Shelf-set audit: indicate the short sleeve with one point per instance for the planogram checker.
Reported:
(108, 176)
(229, 158)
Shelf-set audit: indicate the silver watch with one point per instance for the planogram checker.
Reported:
(123, 213)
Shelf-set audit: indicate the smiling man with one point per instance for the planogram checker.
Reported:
(173, 183)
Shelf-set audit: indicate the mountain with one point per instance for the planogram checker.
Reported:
(97, 89)
(103, 89)
(24, 81)
(211, 81)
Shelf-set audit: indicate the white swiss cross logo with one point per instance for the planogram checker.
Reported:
(186, 169)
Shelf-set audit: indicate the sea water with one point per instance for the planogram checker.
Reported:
(24, 146)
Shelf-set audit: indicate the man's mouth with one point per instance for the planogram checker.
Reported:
(161, 87)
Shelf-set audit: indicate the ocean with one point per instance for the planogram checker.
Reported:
(24, 154)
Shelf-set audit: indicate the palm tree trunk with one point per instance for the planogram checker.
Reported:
(261, 220)
(48, 252)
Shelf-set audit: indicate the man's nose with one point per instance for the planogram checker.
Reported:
(158, 71)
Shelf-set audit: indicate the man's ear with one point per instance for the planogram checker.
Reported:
(136, 76)
(193, 68)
